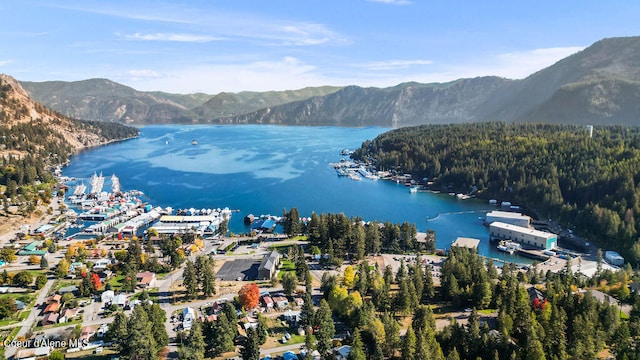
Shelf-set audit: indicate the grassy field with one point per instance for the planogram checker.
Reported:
(286, 266)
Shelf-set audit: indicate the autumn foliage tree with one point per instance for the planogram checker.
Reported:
(95, 280)
(249, 295)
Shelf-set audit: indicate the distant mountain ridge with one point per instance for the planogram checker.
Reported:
(106, 100)
(599, 85)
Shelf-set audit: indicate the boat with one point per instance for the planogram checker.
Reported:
(508, 246)
(413, 189)
(194, 142)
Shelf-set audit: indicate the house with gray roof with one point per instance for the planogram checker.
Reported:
(269, 265)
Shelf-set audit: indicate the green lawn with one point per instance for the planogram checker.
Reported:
(286, 266)
(116, 281)
(487, 311)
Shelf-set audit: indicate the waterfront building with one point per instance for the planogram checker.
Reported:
(522, 235)
(508, 217)
(466, 242)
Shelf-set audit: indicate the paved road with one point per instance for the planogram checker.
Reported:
(27, 323)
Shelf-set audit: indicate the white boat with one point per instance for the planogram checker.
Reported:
(508, 246)
(413, 189)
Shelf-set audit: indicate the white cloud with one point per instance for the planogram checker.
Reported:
(141, 74)
(394, 64)
(172, 37)
(286, 73)
(517, 64)
(5, 62)
(294, 73)
(392, 2)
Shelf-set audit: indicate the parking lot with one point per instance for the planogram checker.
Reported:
(243, 269)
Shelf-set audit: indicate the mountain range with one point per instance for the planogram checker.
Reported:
(599, 85)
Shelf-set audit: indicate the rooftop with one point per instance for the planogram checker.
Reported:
(470, 243)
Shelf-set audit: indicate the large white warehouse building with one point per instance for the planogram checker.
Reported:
(523, 235)
(508, 217)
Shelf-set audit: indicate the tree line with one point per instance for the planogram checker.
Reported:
(590, 183)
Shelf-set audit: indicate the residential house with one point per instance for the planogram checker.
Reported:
(52, 308)
(107, 296)
(267, 301)
(50, 318)
(87, 332)
(604, 298)
(146, 279)
(342, 352)
(188, 316)
(68, 289)
(281, 302)
(68, 315)
(535, 294)
(20, 305)
(292, 317)
(298, 301)
(54, 299)
(101, 265)
(33, 353)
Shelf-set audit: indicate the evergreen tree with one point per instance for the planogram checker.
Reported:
(196, 340)
(357, 348)
(326, 329)
(409, 345)
(158, 317)
(251, 347)
(141, 343)
(392, 334)
(44, 263)
(289, 283)
(118, 331)
(190, 280)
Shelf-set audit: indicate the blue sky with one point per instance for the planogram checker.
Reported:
(214, 46)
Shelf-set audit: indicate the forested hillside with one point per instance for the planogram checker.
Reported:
(33, 139)
(591, 184)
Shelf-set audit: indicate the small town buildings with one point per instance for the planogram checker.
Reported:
(269, 265)
(280, 302)
(267, 301)
(101, 265)
(109, 297)
(146, 279)
(32, 249)
(52, 308)
(522, 235)
(72, 289)
(298, 301)
(292, 317)
(342, 352)
(87, 332)
(508, 217)
(33, 353)
(54, 299)
(68, 315)
(469, 243)
(50, 319)
(613, 258)
(188, 316)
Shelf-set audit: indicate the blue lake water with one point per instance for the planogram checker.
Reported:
(262, 169)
